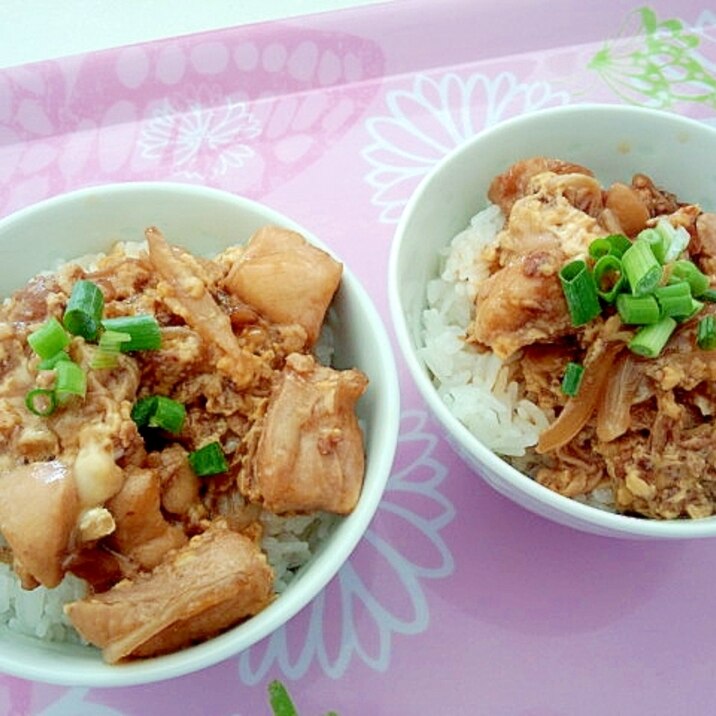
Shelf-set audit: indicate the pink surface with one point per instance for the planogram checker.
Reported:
(456, 601)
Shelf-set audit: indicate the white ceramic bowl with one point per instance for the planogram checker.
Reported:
(615, 142)
(205, 221)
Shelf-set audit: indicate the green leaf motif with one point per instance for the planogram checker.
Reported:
(655, 63)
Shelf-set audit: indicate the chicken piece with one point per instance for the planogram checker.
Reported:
(286, 279)
(508, 187)
(141, 532)
(521, 304)
(38, 511)
(179, 483)
(657, 200)
(187, 295)
(219, 578)
(310, 453)
(705, 242)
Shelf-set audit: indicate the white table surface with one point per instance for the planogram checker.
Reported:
(33, 30)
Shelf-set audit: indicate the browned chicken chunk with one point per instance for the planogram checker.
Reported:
(310, 454)
(217, 579)
(287, 279)
(38, 511)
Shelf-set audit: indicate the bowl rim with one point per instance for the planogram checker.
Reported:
(609, 523)
(348, 532)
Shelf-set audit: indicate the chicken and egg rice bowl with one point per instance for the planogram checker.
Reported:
(572, 330)
(175, 444)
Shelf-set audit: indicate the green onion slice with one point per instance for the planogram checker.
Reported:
(40, 401)
(675, 239)
(208, 460)
(109, 346)
(572, 378)
(50, 363)
(613, 245)
(649, 341)
(658, 243)
(50, 338)
(84, 310)
(706, 333)
(675, 299)
(158, 411)
(71, 380)
(142, 329)
(641, 268)
(608, 277)
(580, 292)
(709, 295)
(638, 310)
(280, 701)
(685, 270)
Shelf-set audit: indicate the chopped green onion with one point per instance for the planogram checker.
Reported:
(158, 411)
(608, 277)
(48, 339)
(709, 295)
(50, 363)
(109, 346)
(641, 268)
(657, 241)
(280, 701)
(143, 409)
(572, 378)
(649, 341)
(685, 270)
(676, 240)
(696, 307)
(71, 380)
(580, 292)
(613, 245)
(674, 299)
(84, 310)
(208, 460)
(706, 333)
(41, 402)
(168, 415)
(638, 310)
(143, 330)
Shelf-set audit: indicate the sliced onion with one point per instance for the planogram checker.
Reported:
(578, 410)
(614, 411)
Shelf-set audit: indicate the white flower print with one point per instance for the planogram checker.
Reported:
(404, 546)
(204, 138)
(434, 116)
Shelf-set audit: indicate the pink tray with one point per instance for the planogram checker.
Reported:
(456, 601)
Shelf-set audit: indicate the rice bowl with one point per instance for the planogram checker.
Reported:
(207, 221)
(631, 140)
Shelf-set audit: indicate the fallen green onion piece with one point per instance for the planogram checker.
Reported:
(71, 380)
(649, 341)
(580, 292)
(706, 333)
(108, 348)
(143, 330)
(685, 270)
(674, 299)
(641, 268)
(572, 378)
(208, 460)
(50, 338)
(638, 310)
(608, 277)
(50, 363)
(35, 399)
(168, 415)
(280, 701)
(84, 310)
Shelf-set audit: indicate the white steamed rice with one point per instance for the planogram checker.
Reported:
(474, 385)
